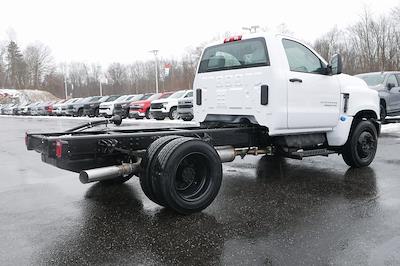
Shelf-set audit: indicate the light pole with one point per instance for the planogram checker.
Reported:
(251, 29)
(65, 88)
(64, 68)
(102, 79)
(155, 52)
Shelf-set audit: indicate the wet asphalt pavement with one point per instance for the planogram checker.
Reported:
(283, 212)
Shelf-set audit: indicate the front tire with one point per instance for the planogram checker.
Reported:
(148, 114)
(383, 113)
(173, 113)
(360, 148)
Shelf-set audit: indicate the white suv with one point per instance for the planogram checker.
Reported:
(106, 108)
(160, 109)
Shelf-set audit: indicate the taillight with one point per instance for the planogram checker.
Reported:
(58, 148)
(233, 39)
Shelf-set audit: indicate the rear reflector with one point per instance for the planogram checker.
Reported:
(233, 39)
(58, 148)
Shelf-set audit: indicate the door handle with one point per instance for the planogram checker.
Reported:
(295, 80)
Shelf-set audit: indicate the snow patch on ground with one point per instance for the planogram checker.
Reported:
(24, 96)
(391, 128)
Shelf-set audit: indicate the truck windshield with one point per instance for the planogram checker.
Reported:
(235, 55)
(373, 79)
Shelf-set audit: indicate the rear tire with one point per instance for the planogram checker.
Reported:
(187, 174)
(360, 148)
(147, 165)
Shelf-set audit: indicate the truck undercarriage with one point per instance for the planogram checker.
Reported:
(178, 168)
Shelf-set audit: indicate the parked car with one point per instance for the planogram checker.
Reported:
(141, 108)
(76, 108)
(106, 108)
(160, 109)
(20, 108)
(57, 107)
(91, 108)
(11, 109)
(185, 108)
(387, 85)
(45, 108)
(122, 108)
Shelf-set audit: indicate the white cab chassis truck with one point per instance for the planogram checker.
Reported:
(268, 95)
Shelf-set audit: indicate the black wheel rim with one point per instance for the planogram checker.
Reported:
(192, 179)
(366, 145)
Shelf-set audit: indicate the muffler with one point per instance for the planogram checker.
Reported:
(228, 153)
(109, 172)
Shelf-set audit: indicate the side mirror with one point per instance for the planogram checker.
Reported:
(336, 64)
(390, 86)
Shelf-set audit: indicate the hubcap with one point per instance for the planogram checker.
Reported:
(192, 177)
(175, 114)
(366, 145)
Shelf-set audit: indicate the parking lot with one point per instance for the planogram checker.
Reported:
(287, 212)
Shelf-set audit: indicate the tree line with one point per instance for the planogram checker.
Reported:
(370, 44)
(35, 68)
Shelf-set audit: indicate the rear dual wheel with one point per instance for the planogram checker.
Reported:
(181, 173)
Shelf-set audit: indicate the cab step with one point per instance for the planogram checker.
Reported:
(300, 154)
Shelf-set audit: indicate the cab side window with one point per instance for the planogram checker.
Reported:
(190, 94)
(301, 59)
(392, 79)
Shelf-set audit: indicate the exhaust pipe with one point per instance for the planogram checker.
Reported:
(109, 172)
(228, 153)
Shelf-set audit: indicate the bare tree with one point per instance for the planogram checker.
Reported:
(39, 63)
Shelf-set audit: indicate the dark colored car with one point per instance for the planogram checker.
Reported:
(91, 108)
(388, 86)
(122, 108)
(76, 108)
(141, 108)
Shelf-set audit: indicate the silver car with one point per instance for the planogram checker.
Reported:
(387, 85)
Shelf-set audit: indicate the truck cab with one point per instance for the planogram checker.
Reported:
(281, 83)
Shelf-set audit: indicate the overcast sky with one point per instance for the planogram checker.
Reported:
(124, 31)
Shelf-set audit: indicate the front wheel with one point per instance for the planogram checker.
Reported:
(148, 114)
(173, 113)
(360, 148)
(383, 113)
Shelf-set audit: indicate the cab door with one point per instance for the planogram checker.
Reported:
(313, 96)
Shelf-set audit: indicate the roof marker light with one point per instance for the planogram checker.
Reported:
(233, 39)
